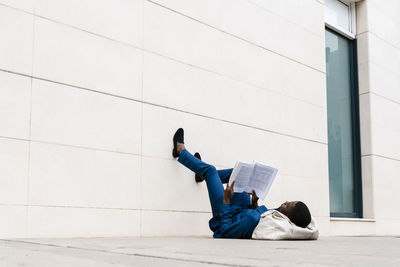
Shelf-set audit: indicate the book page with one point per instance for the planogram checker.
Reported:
(261, 180)
(241, 174)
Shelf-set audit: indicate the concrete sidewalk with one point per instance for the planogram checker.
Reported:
(194, 251)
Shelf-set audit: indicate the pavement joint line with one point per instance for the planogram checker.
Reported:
(120, 253)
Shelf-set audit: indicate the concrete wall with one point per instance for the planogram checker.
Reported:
(378, 39)
(379, 67)
(92, 92)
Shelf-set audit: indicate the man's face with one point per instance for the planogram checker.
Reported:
(287, 207)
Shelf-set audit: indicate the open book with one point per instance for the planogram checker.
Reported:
(249, 176)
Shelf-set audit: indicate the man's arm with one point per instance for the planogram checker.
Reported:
(254, 200)
(228, 193)
(241, 228)
(228, 228)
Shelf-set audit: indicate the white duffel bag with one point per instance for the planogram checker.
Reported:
(274, 225)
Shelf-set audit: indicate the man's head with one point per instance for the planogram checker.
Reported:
(297, 212)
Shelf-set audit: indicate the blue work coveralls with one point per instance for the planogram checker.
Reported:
(235, 220)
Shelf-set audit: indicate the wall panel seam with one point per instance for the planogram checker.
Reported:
(101, 208)
(235, 36)
(174, 109)
(369, 61)
(381, 96)
(380, 156)
(83, 147)
(290, 21)
(380, 38)
(172, 10)
(142, 49)
(125, 153)
(141, 133)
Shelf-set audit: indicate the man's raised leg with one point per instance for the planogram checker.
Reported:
(214, 184)
(224, 175)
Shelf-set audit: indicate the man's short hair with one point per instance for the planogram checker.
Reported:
(300, 215)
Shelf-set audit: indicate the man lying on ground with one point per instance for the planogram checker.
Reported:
(234, 215)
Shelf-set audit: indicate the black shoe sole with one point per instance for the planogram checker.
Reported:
(197, 177)
(178, 137)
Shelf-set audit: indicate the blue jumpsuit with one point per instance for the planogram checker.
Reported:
(235, 220)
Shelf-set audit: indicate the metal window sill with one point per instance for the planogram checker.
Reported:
(339, 219)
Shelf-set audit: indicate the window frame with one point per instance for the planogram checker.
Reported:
(351, 13)
(355, 110)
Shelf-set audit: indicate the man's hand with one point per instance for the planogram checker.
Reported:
(254, 199)
(228, 193)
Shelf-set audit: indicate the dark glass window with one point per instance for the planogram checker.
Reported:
(343, 126)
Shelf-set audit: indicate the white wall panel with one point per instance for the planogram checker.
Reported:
(304, 158)
(385, 141)
(248, 144)
(381, 21)
(25, 5)
(14, 163)
(16, 29)
(201, 134)
(251, 106)
(246, 20)
(384, 54)
(387, 227)
(168, 185)
(385, 206)
(314, 193)
(15, 103)
(385, 172)
(13, 221)
(182, 86)
(75, 57)
(82, 222)
(379, 55)
(364, 84)
(385, 112)
(363, 47)
(304, 120)
(66, 176)
(120, 20)
(312, 20)
(270, 5)
(174, 35)
(384, 82)
(296, 82)
(352, 228)
(206, 11)
(366, 138)
(162, 223)
(302, 46)
(308, 14)
(67, 115)
(245, 62)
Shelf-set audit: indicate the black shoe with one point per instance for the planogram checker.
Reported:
(197, 177)
(178, 137)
